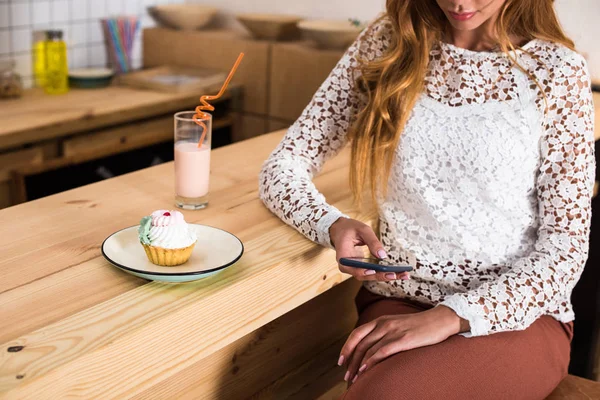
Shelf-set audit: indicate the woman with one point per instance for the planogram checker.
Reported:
(470, 122)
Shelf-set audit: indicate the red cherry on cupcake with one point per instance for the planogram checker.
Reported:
(167, 214)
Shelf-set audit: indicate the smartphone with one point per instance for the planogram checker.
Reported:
(374, 264)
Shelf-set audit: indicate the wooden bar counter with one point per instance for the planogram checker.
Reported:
(36, 117)
(269, 327)
(74, 326)
(41, 133)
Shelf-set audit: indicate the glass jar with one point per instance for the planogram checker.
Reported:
(56, 80)
(11, 85)
(39, 58)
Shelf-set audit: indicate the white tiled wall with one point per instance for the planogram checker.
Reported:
(78, 19)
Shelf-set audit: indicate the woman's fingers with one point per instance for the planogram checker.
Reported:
(348, 245)
(364, 346)
(372, 350)
(355, 361)
(370, 239)
(370, 275)
(355, 337)
(346, 249)
(381, 351)
(392, 276)
(366, 274)
(404, 276)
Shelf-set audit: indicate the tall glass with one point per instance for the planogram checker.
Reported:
(192, 163)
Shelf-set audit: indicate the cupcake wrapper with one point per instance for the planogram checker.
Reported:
(168, 257)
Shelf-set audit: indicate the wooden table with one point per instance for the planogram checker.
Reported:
(72, 325)
(36, 116)
(269, 327)
(42, 132)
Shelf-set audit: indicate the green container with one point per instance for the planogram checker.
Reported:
(90, 78)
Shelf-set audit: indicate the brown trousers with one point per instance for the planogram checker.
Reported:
(515, 365)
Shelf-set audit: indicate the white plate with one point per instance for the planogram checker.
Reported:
(215, 250)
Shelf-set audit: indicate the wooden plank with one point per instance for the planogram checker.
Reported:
(318, 377)
(53, 298)
(15, 159)
(50, 148)
(335, 392)
(83, 110)
(120, 139)
(43, 265)
(39, 294)
(256, 360)
(9, 193)
(219, 50)
(30, 255)
(6, 195)
(153, 300)
(120, 329)
(109, 142)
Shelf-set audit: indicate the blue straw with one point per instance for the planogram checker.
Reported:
(113, 28)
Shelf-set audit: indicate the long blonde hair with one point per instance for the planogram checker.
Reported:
(394, 81)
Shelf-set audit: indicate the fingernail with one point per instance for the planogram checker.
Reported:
(390, 276)
(406, 277)
(347, 376)
(370, 272)
(362, 368)
(382, 254)
(341, 360)
(355, 378)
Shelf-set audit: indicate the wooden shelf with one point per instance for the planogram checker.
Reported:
(37, 117)
(85, 125)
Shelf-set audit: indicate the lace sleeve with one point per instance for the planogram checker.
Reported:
(285, 182)
(564, 190)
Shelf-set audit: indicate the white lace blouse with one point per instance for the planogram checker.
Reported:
(489, 198)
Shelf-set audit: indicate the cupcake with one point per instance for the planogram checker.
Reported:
(167, 238)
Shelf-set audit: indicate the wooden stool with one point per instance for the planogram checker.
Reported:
(575, 388)
(571, 388)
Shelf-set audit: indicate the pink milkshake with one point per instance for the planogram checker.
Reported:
(192, 171)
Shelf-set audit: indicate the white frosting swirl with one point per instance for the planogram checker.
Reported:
(170, 231)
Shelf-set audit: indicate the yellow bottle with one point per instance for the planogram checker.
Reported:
(57, 69)
(39, 58)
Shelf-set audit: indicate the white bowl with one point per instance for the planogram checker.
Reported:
(91, 73)
(271, 26)
(187, 17)
(330, 34)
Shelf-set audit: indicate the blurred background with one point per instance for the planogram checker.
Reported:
(79, 19)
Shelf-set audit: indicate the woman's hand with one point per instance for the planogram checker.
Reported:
(347, 236)
(385, 336)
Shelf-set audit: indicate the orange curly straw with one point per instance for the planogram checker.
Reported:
(205, 106)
